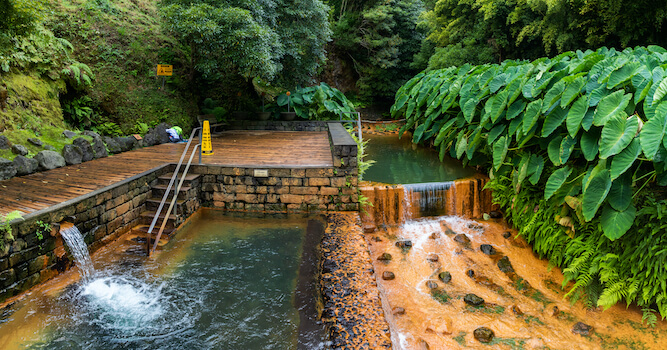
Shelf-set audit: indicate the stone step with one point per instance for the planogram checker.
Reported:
(184, 193)
(164, 179)
(147, 218)
(153, 203)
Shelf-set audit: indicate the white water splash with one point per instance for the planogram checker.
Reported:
(431, 197)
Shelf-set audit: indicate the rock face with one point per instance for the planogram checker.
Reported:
(112, 145)
(36, 142)
(487, 249)
(157, 135)
(582, 329)
(483, 335)
(445, 277)
(72, 154)
(473, 299)
(20, 150)
(7, 169)
(48, 160)
(504, 265)
(25, 166)
(86, 149)
(4, 142)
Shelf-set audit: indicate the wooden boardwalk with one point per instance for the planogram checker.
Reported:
(234, 148)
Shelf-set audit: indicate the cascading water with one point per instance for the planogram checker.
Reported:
(430, 199)
(79, 249)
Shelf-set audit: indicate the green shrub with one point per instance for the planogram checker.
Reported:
(319, 102)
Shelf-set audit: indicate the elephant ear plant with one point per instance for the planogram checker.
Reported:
(319, 102)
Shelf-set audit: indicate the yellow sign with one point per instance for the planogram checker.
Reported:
(165, 69)
(206, 146)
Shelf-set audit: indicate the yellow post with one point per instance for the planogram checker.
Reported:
(206, 146)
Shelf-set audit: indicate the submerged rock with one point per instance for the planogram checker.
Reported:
(7, 169)
(483, 335)
(470, 273)
(487, 249)
(504, 265)
(473, 299)
(72, 154)
(20, 150)
(582, 329)
(48, 160)
(516, 310)
(432, 258)
(385, 257)
(431, 284)
(555, 311)
(398, 311)
(507, 234)
(25, 166)
(445, 276)
(476, 227)
(404, 244)
(434, 235)
(463, 240)
(388, 276)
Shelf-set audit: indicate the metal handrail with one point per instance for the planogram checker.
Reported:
(173, 202)
(166, 193)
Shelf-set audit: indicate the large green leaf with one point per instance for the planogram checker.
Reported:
(553, 95)
(616, 223)
(620, 194)
(617, 134)
(572, 91)
(535, 165)
(469, 109)
(595, 193)
(624, 160)
(494, 133)
(500, 151)
(622, 74)
(419, 131)
(515, 109)
(553, 149)
(610, 106)
(461, 144)
(532, 115)
(566, 148)
(661, 91)
(654, 131)
(556, 181)
(553, 121)
(576, 115)
(497, 82)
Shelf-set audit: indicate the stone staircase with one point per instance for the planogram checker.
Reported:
(187, 203)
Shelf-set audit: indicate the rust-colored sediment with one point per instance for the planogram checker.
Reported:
(525, 309)
(352, 310)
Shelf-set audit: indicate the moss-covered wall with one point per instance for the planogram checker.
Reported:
(31, 101)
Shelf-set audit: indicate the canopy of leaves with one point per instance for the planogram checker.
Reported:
(580, 113)
(274, 40)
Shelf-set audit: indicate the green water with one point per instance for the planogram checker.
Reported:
(402, 162)
(225, 283)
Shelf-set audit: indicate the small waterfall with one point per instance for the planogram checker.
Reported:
(79, 249)
(429, 198)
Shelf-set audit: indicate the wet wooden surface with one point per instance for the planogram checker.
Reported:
(234, 148)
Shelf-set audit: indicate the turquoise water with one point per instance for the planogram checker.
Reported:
(399, 161)
(225, 283)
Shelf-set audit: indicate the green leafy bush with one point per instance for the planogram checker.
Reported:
(6, 235)
(319, 102)
(574, 121)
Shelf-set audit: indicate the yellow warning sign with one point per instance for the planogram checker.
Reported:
(206, 146)
(165, 69)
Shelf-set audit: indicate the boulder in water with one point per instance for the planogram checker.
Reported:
(385, 257)
(445, 276)
(473, 299)
(463, 240)
(7, 169)
(507, 234)
(431, 284)
(398, 311)
(48, 160)
(25, 166)
(388, 276)
(432, 258)
(582, 329)
(516, 310)
(504, 265)
(404, 244)
(487, 249)
(470, 273)
(483, 335)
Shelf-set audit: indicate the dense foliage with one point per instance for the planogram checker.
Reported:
(381, 39)
(277, 40)
(587, 128)
(482, 31)
(319, 102)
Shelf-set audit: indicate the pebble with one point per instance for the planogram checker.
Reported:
(555, 311)
(483, 335)
(432, 258)
(445, 277)
(431, 284)
(473, 299)
(504, 265)
(507, 234)
(384, 257)
(470, 273)
(404, 244)
(487, 249)
(434, 235)
(582, 329)
(388, 276)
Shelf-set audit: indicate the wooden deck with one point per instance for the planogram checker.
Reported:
(234, 148)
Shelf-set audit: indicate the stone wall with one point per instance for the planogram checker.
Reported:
(102, 216)
(281, 190)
